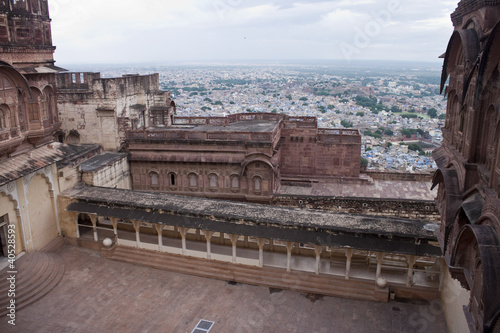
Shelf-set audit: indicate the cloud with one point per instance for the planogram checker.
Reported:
(159, 30)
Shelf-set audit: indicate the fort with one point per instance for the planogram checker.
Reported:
(255, 198)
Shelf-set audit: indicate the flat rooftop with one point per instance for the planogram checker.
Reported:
(380, 189)
(100, 161)
(100, 295)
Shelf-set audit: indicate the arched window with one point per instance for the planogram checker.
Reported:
(48, 105)
(34, 106)
(3, 119)
(235, 182)
(172, 179)
(155, 179)
(257, 184)
(213, 180)
(193, 180)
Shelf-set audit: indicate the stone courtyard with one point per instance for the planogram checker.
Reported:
(98, 295)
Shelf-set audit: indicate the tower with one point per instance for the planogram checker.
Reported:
(28, 108)
(25, 34)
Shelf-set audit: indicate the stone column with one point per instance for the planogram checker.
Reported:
(93, 218)
(348, 255)
(208, 236)
(77, 227)
(234, 241)
(261, 242)
(114, 222)
(380, 255)
(411, 264)
(246, 241)
(289, 246)
(198, 234)
(222, 238)
(183, 232)
(318, 249)
(159, 231)
(137, 228)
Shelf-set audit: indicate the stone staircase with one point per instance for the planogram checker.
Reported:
(270, 277)
(37, 274)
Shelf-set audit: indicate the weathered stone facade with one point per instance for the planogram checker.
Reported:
(94, 109)
(469, 160)
(28, 112)
(239, 157)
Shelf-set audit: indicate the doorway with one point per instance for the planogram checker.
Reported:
(4, 222)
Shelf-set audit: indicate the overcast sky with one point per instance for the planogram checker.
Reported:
(124, 31)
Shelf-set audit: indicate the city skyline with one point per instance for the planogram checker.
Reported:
(230, 30)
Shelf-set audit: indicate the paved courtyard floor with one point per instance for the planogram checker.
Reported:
(98, 295)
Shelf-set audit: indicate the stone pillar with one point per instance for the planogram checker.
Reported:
(198, 234)
(222, 238)
(380, 255)
(246, 241)
(93, 218)
(159, 231)
(271, 245)
(77, 227)
(114, 222)
(261, 242)
(289, 246)
(137, 228)
(54, 209)
(411, 264)
(234, 241)
(318, 249)
(208, 236)
(183, 232)
(348, 255)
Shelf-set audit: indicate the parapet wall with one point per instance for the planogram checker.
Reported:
(410, 209)
(415, 177)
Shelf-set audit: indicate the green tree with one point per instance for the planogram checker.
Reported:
(346, 123)
(396, 109)
(432, 113)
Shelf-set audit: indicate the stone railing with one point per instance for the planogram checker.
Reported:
(199, 136)
(339, 136)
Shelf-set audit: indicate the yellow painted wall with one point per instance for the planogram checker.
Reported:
(67, 219)
(42, 220)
